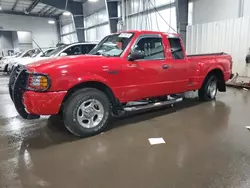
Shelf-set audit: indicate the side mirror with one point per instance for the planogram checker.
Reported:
(63, 54)
(136, 54)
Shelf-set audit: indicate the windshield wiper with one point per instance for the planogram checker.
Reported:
(102, 54)
(107, 55)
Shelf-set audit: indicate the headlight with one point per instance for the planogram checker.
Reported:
(38, 82)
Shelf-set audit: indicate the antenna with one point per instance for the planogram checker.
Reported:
(38, 47)
(162, 17)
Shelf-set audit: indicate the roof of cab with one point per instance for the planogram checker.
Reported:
(150, 32)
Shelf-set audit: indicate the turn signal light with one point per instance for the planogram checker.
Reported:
(38, 82)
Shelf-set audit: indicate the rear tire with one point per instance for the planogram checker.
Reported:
(87, 112)
(209, 88)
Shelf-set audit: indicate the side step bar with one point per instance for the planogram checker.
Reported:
(152, 105)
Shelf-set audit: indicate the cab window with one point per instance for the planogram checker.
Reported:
(176, 48)
(152, 47)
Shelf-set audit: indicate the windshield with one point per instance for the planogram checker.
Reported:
(28, 53)
(112, 45)
(18, 54)
(36, 53)
(43, 53)
(55, 51)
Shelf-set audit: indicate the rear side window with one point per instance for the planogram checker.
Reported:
(86, 48)
(48, 51)
(29, 53)
(152, 48)
(176, 48)
(74, 50)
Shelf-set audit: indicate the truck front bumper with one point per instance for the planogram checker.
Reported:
(30, 104)
(46, 103)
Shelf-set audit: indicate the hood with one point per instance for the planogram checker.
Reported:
(58, 62)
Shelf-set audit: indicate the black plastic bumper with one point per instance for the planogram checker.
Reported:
(17, 87)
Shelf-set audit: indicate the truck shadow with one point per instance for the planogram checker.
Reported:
(55, 133)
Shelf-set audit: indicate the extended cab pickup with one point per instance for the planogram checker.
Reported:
(127, 71)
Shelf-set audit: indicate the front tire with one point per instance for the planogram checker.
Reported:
(87, 112)
(5, 68)
(9, 71)
(209, 88)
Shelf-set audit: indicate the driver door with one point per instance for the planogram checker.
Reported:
(145, 76)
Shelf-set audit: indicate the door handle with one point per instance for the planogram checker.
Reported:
(165, 66)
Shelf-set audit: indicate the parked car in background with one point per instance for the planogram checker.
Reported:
(127, 71)
(26, 60)
(44, 52)
(63, 50)
(72, 49)
(5, 59)
(4, 62)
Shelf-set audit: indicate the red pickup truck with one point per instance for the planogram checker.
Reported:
(126, 71)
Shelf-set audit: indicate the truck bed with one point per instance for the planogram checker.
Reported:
(208, 54)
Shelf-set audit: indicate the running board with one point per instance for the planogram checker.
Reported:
(152, 105)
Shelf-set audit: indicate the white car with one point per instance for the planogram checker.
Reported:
(4, 63)
(64, 50)
(26, 60)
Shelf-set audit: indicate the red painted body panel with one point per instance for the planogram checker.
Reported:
(129, 80)
(200, 66)
(43, 103)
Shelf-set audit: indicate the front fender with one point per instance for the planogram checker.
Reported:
(64, 81)
(91, 78)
